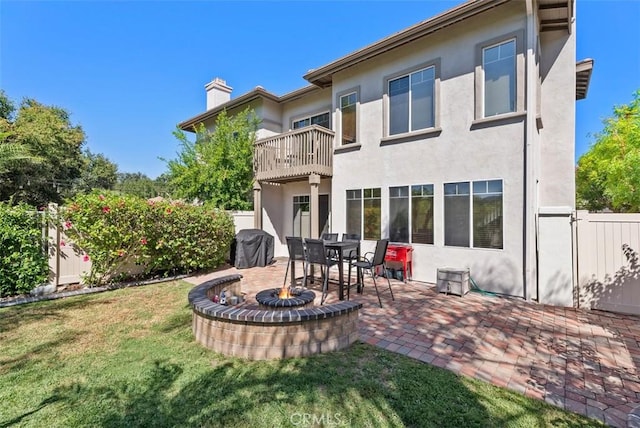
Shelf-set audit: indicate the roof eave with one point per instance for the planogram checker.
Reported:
(258, 92)
(584, 69)
(323, 76)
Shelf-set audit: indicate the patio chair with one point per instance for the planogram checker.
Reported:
(372, 263)
(330, 237)
(296, 253)
(316, 254)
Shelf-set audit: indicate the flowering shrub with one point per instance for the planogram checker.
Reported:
(23, 262)
(125, 236)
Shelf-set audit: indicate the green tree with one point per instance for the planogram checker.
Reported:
(47, 132)
(218, 167)
(98, 173)
(139, 184)
(608, 175)
(11, 152)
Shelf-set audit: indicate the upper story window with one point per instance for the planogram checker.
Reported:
(499, 65)
(499, 77)
(348, 117)
(412, 101)
(319, 119)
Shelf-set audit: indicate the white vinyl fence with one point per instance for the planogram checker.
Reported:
(608, 267)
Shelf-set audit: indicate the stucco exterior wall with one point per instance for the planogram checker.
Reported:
(460, 152)
(312, 104)
(557, 151)
(277, 209)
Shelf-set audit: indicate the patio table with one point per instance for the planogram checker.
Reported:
(342, 247)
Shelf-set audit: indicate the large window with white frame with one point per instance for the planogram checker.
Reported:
(422, 214)
(473, 214)
(372, 213)
(399, 214)
(499, 67)
(412, 101)
(321, 119)
(348, 117)
(487, 214)
(354, 212)
(411, 214)
(364, 215)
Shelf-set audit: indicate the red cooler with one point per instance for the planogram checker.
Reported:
(402, 254)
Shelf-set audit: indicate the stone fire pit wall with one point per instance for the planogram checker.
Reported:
(258, 334)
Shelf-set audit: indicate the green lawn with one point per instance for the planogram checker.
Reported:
(128, 358)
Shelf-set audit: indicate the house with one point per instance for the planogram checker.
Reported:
(455, 135)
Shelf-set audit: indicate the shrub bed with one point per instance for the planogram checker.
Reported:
(126, 236)
(23, 261)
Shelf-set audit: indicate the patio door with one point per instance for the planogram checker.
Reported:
(302, 215)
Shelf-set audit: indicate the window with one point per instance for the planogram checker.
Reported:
(372, 213)
(354, 211)
(487, 214)
(320, 119)
(483, 211)
(399, 214)
(422, 214)
(456, 214)
(412, 102)
(348, 117)
(499, 65)
(301, 217)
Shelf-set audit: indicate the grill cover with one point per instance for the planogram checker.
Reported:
(253, 247)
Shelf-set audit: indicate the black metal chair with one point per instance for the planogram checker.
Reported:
(372, 263)
(316, 254)
(296, 253)
(329, 237)
(332, 237)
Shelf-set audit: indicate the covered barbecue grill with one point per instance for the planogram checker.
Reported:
(253, 247)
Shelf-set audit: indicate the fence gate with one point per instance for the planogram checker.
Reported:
(608, 267)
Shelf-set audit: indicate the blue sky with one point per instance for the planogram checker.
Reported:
(128, 72)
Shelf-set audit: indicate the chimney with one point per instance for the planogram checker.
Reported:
(217, 92)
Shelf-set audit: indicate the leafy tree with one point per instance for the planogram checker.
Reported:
(139, 184)
(218, 167)
(98, 173)
(46, 131)
(11, 152)
(608, 175)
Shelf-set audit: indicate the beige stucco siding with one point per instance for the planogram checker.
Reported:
(277, 205)
(461, 152)
(557, 151)
(312, 104)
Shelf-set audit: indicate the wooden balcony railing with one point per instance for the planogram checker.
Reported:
(294, 155)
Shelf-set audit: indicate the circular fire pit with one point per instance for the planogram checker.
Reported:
(268, 299)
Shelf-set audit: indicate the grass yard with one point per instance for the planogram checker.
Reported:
(128, 358)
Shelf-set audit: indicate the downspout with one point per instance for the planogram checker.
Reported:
(530, 185)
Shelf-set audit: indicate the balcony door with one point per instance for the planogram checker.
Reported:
(302, 215)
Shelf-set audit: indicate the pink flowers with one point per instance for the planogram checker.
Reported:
(106, 209)
(67, 225)
(143, 241)
(85, 258)
(120, 253)
(62, 243)
(101, 197)
(169, 211)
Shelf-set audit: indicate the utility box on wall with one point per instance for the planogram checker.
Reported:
(453, 281)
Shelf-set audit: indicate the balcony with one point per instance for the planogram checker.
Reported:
(294, 155)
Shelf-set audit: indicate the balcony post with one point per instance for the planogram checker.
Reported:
(257, 205)
(314, 182)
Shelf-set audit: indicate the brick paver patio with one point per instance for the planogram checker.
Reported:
(583, 361)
